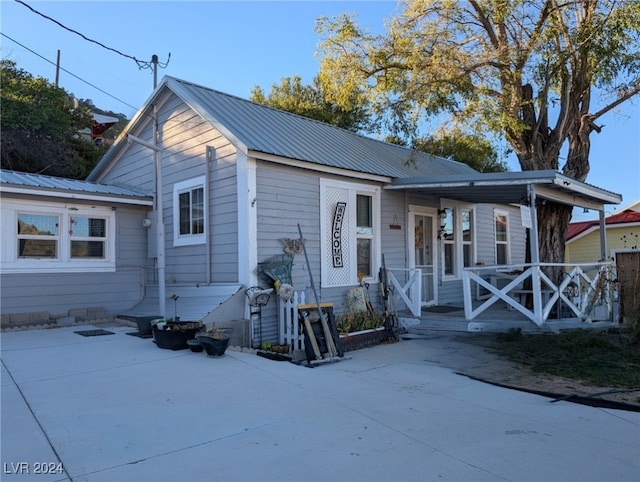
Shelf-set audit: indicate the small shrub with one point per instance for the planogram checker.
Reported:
(351, 321)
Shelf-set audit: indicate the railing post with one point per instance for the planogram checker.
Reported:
(536, 288)
(466, 291)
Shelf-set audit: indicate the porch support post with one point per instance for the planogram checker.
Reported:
(603, 236)
(533, 235)
(536, 287)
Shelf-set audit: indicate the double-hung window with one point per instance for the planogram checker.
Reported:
(501, 219)
(53, 237)
(350, 232)
(88, 237)
(38, 235)
(189, 212)
(457, 231)
(466, 218)
(448, 237)
(364, 234)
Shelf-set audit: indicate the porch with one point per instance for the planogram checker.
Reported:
(534, 296)
(496, 319)
(495, 299)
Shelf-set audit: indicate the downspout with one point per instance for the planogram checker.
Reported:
(210, 156)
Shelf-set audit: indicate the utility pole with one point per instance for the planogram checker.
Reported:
(154, 61)
(157, 156)
(58, 68)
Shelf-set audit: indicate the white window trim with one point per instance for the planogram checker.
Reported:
(189, 239)
(505, 213)
(472, 233)
(353, 189)
(458, 206)
(11, 263)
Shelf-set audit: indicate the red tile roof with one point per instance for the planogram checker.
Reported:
(623, 217)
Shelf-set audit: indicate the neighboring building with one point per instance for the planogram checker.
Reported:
(98, 133)
(623, 234)
(622, 247)
(239, 181)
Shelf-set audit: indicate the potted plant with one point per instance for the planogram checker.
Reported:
(215, 340)
(173, 335)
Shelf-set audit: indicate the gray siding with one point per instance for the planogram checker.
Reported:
(57, 293)
(185, 137)
(288, 197)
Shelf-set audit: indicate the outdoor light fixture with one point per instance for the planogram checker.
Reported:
(442, 215)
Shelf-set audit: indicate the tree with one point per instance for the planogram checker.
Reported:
(471, 149)
(525, 70)
(310, 101)
(39, 127)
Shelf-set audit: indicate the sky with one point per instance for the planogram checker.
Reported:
(231, 46)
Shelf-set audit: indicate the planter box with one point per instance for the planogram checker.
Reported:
(174, 339)
(363, 339)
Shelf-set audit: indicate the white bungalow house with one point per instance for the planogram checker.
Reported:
(234, 184)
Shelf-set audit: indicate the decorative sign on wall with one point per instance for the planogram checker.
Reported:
(336, 235)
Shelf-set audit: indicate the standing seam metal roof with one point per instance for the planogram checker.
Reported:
(271, 131)
(60, 183)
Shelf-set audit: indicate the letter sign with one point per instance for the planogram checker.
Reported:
(336, 235)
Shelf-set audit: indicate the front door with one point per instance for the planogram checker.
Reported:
(422, 249)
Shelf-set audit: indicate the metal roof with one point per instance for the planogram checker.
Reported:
(510, 187)
(261, 129)
(12, 181)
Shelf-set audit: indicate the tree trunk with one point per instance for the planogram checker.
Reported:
(553, 223)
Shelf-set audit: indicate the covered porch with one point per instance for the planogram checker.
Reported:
(522, 295)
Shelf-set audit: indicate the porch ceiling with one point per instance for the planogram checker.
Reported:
(510, 187)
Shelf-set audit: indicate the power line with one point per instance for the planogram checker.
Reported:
(68, 72)
(141, 64)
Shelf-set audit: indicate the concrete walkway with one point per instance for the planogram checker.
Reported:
(117, 408)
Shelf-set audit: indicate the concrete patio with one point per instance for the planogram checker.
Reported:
(117, 408)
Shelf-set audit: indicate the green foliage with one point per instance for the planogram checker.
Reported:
(505, 67)
(39, 127)
(353, 321)
(470, 149)
(310, 101)
(523, 72)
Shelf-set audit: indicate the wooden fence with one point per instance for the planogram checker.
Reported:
(288, 326)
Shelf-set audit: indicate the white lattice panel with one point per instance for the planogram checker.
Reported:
(336, 275)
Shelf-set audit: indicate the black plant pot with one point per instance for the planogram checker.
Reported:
(175, 338)
(214, 346)
(194, 345)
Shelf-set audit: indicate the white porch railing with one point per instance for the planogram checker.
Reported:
(288, 326)
(411, 291)
(584, 286)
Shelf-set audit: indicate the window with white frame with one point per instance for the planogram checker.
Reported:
(88, 237)
(448, 237)
(466, 218)
(501, 219)
(364, 234)
(457, 238)
(350, 232)
(38, 235)
(189, 212)
(45, 237)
